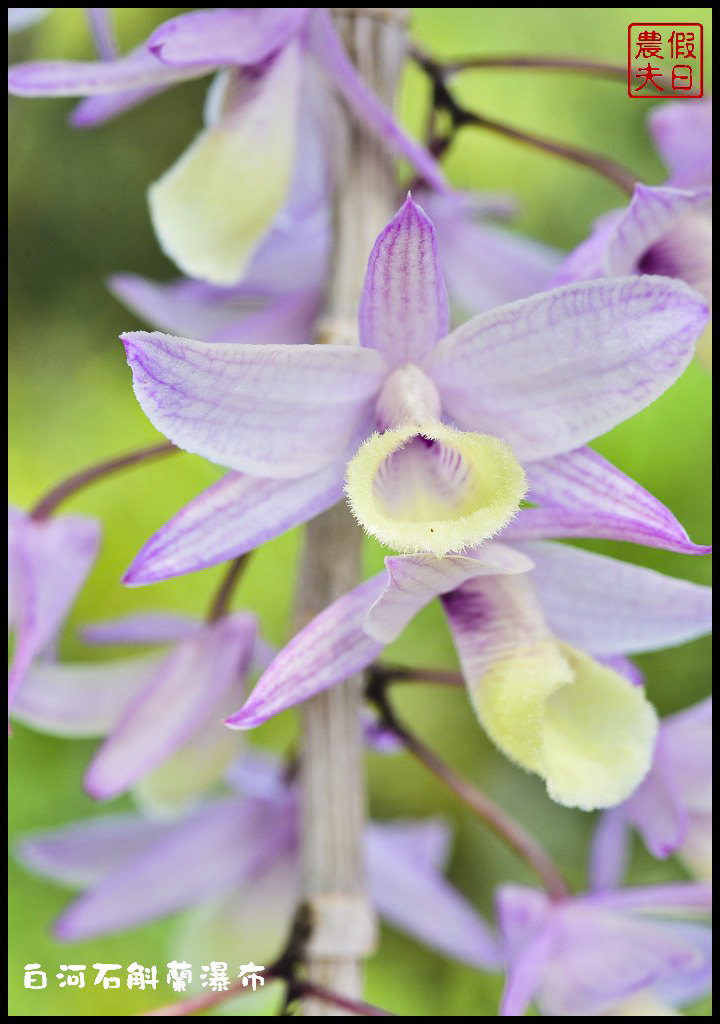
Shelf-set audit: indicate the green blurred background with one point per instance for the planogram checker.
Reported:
(77, 213)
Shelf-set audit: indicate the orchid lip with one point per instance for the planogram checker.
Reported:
(431, 487)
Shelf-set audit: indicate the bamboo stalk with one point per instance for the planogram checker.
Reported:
(332, 780)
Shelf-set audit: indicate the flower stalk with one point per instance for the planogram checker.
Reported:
(332, 785)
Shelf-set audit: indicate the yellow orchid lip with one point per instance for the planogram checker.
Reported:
(430, 487)
(579, 725)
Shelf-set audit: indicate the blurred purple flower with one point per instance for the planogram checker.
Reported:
(671, 809)
(520, 618)
(543, 375)
(629, 952)
(253, 121)
(161, 713)
(235, 859)
(48, 562)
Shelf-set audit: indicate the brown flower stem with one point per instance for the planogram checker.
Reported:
(403, 674)
(354, 1006)
(444, 99)
(78, 481)
(206, 1001)
(505, 827)
(520, 63)
(221, 601)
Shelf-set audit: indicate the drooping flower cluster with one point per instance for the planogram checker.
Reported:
(461, 448)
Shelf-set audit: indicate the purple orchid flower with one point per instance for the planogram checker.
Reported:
(252, 121)
(671, 809)
(539, 378)
(235, 861)
(48, 562)
(626, 953)
(161, 713)
(538, 629)
(683, 134)
(665, 229)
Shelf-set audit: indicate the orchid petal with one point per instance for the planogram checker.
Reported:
(425, 842)
(582, 495)
(606, 606)
(141, 628)
(241, 36)
(579, 725)
(79, 855)
(48, 561)
(601, 958)
(685, 896)
(196, 309)
(215, 849)
(328, 50)
(610, 852)
(82, 700)
(186, 690)
(414, 580)
(139, 70)
(269, 410)
(420, 902)
(683, 134)
(100, 21)
(95, 110)
(247, 149)
(484, 265)
(330, 648)
(232, 517)
(404, 305)
(657, 812)
(551, 372)
(430, 487)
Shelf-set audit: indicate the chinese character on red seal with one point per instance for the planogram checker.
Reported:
(665, 59)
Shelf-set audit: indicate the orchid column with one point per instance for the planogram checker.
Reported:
(332, 776)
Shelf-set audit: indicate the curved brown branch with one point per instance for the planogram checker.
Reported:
(221, 601)
(505, 827)
(78, 481)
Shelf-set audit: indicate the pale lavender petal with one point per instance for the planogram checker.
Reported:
(653, 212)
(687, 896)
(213, 850)
(656, 811)
(330, 648)
(588, 259)
(683, 134)
(548, 373)
(210, 313)
(241, 36)
(327, 49)
(377, 736)
(138, 70)
(269, 410)
(418, 900)
(581, 494)
(525, 974)
(686, 752)
(234, 516)
(685, 986)
(414, 580)
(187, 688)
(522, 913)
(605, 606)
(426, 842)
(610, 851)
(404, 304)
(81, 700)
(100, 20)
(485, 265)
(261, 774)
(78, 855)
(141, 628)
(22, 17)
(601, 958)
(98, 109)
(48, 561)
